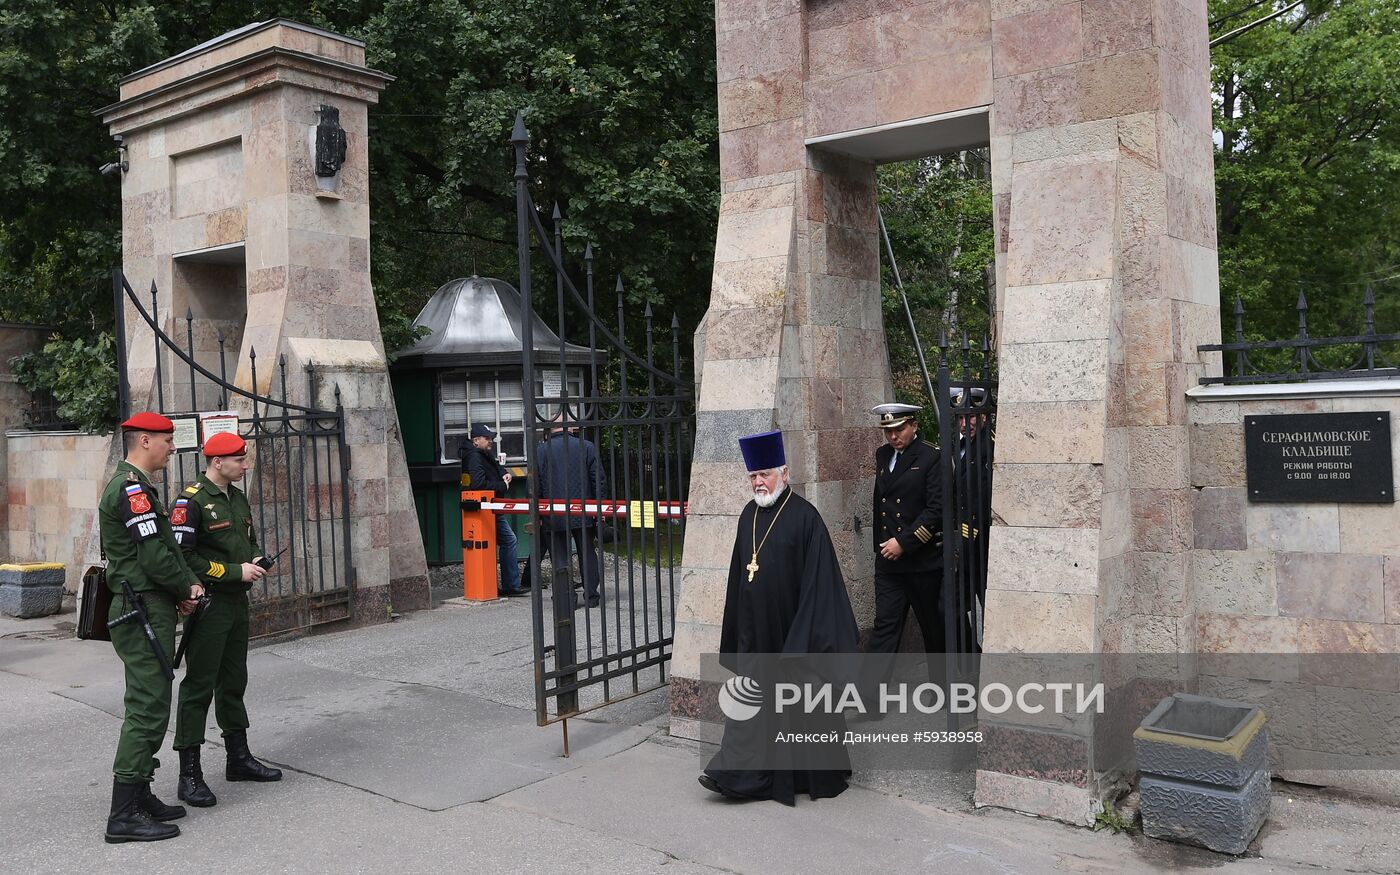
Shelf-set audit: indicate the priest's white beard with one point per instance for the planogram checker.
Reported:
(768, 499)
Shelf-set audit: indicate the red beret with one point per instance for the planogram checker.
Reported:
(225, 443)
(152, 422)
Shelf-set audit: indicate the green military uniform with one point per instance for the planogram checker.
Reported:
(215, 529)
(142, 550)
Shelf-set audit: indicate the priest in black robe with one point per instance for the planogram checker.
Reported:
(785, 600)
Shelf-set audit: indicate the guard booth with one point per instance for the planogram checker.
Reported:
(468, 371)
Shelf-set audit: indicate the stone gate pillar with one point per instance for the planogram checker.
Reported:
(1098, 117)
(222, 210)
(1103, 181)
(793, 338)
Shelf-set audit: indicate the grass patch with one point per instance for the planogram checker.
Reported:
(663, 542)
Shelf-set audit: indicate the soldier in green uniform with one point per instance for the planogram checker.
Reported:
(214, 525)
(141, 549)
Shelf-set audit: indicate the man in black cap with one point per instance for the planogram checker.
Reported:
(486, 472)
(908, 534)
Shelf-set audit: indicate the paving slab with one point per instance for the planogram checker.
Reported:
(56, 793)
(482, 649)
(425, 746)
(389, 734)
(861, 830)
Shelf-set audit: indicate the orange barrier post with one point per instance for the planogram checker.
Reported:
(478, 547)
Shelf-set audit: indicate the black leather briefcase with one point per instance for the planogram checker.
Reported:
(94, 601)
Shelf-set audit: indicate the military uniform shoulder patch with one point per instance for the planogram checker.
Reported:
(929, 445)
(192, 490)
(137, 499)
(137, 513)
(184, 521)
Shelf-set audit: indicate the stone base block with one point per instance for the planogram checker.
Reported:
(1219, 818)
(31, 601)
(33, 589)
(413, 593)
(1203, 765)
(1373, 782)
(31, 574)
(1052, 799)
(372, 605)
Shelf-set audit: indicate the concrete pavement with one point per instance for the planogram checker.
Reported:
(411, 747)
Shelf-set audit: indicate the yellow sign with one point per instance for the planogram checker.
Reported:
(641, 514)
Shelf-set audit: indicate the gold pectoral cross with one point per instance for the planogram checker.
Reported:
(753, 566)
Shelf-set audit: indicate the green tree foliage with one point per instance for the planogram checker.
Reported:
(80, 376)
(939, 214)
(1308, 163)
(619, 100)
(619, 96)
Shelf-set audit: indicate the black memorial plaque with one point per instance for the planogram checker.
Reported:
(1327, 457)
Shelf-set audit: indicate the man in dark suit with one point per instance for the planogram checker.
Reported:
(908, 533)
(569, 470)
(486, 472)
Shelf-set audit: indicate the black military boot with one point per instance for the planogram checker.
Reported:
(129, 821)
(157, 809)
(241, 764)
(192, 787)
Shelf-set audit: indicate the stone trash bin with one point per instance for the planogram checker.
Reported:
(31, 589)
(1205, 772)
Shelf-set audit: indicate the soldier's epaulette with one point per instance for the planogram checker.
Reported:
(929, 445)
(192, 490)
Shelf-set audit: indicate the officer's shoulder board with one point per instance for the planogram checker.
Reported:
(192, 489)
(929, 445)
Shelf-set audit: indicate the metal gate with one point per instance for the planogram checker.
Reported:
(618, 428)
(967, 408)
(965, 402)
(298, 482)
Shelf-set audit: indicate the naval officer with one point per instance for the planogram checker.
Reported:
(908, 532)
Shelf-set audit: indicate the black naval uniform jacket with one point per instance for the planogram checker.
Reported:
(909, 508)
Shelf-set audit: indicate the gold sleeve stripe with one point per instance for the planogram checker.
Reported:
(217, 570)
(923, 534)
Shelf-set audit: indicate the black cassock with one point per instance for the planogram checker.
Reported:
(795, 605)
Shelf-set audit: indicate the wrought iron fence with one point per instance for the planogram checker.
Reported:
(298, 485)
(637, 413)
(41, 413)
(967, 410)
(1305, 358)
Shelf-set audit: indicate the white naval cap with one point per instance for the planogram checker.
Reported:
(894, 415)
(955, 395)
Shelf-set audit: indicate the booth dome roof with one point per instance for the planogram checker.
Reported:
(477, 321)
